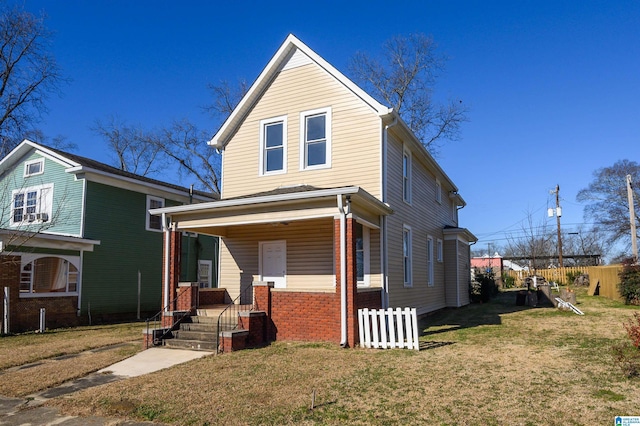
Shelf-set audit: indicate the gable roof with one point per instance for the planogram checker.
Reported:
(97, 171)
(290, 46)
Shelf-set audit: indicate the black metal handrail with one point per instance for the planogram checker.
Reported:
(157, 322)
(228, 318)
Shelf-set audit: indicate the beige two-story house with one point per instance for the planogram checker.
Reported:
(329, 198)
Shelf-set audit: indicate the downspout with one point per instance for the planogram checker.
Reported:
(343, 274)
(79, 310)
(383, 231)
(167, 257)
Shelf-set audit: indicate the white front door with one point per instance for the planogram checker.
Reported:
(273, 262)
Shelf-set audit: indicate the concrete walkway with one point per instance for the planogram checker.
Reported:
(29, 411)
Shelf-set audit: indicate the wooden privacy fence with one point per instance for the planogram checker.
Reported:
(606, 280)
(557, 275)
(388, 328)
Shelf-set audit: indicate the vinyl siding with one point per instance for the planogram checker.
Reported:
(310, 264)
(355, 135)
(117, 218)
(67, 196)
(426, 218)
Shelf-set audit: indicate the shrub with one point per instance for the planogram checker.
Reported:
(483, 286)
(630, 283)
(628, 355)
(508, 281)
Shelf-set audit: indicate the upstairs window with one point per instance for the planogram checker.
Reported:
(31, 205)
(406, 176)
(273, 145)
(438, 191)
(33, 168)
(406, 255)
(315, 140)
(154, 222)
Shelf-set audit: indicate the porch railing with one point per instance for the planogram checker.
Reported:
(228, 318)
(155, 322)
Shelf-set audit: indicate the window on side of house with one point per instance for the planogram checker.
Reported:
(407, 255)
(430, 274)
(33, 168)
(31, 205)
(154, 222)
(406, 176)
(49, 274)
(438, 191)
(315, 139)
(439, 251)
(273, 145)
(362, 238)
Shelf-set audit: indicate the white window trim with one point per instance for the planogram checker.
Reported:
(263, 123)
(27, 258)
(408, 281)
(430, 264)
(407, 180)
(366, 241)
(303, 133)
(44, 205)
(28, 163)
(148, 216)
(438, 191)
(440, 251)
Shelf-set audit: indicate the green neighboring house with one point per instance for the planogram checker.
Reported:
(76, 238)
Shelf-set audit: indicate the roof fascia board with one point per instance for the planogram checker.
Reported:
(127, 182)
(23, 149)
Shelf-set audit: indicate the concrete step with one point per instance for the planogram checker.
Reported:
(208, 336)
(199, 326)
(197, 345)
(199, 319)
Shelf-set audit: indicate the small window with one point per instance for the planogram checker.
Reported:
(362, 236)
(315, 139)
(406, 255)
(430, 261)
(439, 252)
(406, 176)
(33, 168)
(154, 222)
(273, 145)
(438, 191)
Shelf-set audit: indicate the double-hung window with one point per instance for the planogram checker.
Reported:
(154, 222)
(315, 139)
(406, 176)
(273, 145)
(406, 255)
(430, 275)
(31, 205)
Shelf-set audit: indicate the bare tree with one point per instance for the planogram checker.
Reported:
(534, 244)
(135, 148)
(607, 195)
(28, 73)
(404, 78)
(184, 144)
(225, 98)
(589, 244)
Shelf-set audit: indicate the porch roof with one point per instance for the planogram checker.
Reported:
(281, 204)
(46, 241)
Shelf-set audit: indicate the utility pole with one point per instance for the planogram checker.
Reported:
(632, 220)
(558, 215)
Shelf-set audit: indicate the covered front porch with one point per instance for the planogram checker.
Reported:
(307, 257)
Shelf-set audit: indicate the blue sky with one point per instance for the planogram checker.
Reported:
(553, 86)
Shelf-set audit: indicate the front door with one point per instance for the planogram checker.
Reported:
(273, 259)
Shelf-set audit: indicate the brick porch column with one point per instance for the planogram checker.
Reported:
(262, 302)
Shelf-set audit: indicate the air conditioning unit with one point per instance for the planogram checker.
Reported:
(42, 217)
(31, 217)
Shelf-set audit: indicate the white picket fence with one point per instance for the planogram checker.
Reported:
(388, 328)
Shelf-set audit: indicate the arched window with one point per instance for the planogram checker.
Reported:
(48, 275)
